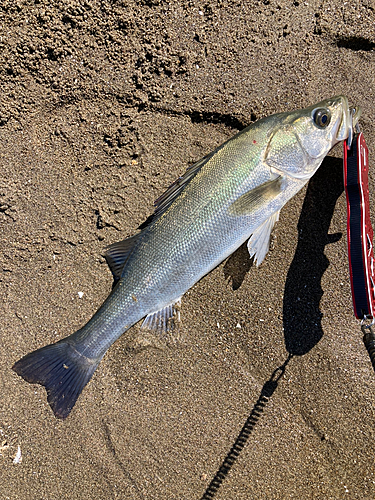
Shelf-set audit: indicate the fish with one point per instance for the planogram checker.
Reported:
(232, 195)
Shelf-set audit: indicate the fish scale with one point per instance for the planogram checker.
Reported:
(232, 195)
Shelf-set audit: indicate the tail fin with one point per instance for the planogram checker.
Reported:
(62, 370)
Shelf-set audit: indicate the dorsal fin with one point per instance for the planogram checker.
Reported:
(173, 191)
(117, 254)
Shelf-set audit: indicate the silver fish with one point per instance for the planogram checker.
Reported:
(232, 195)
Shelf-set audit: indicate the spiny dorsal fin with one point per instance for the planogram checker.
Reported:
(253, 199)
(259, 241)
(117, 254)
(176, 188)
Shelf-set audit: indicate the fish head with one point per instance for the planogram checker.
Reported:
(302, 138)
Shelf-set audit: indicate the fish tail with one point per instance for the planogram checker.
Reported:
(62, 370)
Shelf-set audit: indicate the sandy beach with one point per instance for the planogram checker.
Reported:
(103, 105)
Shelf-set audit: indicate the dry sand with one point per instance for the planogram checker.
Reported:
(103, 104)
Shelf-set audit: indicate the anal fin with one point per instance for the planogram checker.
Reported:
(259, 242)
(165, 320)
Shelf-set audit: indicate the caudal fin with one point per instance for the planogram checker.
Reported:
(62, 370)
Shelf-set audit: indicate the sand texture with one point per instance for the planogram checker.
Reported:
(103, 104)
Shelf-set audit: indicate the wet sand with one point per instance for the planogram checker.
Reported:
(102, 106)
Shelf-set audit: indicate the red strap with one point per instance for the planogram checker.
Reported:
(360, 232)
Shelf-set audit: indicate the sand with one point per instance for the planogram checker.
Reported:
(102, 106)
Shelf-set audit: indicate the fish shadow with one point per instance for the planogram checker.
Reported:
(303, 291)
(237, 266)
(302, 318)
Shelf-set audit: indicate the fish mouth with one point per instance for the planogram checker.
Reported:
(349, 121)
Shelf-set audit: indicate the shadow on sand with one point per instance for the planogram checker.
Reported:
(303, 291)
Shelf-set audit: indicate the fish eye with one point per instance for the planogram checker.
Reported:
(322, 117)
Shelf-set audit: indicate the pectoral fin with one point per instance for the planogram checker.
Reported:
(259, 242)
(253, 199)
